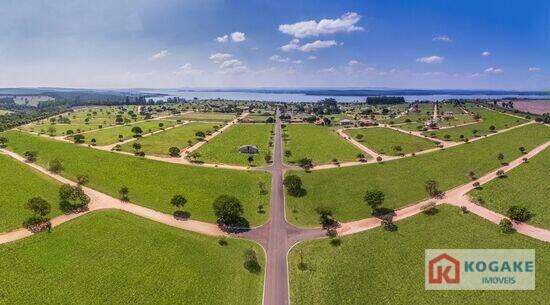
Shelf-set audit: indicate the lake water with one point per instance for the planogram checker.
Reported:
(298, 98)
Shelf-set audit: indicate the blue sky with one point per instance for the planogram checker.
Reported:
(167, 43)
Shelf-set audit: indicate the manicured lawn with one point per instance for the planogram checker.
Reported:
(526, 185)
(151, 183)
(159, 143)
(111, 257)
(224, 148)
(18, 184)
(380, 267)
(86, 119)
(206, 116)
(111, 135)
(385, 141)
(402, 181)
(318, 143)
(489, 117)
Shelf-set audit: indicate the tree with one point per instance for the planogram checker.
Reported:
(178, 201)
(137, 131)
(500, 157)
(78, 138)
(518, 213)
(500, 173)
(374, 199)
(123, 192)
(388, 225)
(93, 141)
(379, 159)
(55, 166)
(506, 226)
(120, 137)
(38, 206)
(228, 210)
(3, 141)
(432, 189)
(72, 198)
(30, 155)
(267, 158)
(250, 159)
(82, 179)
(194, 156)
(200, 134)
(306, 163)
(288, 153)
(136, 146)
(359, 137)
(161, 125)
(293, 184)
(492, 128)
(251, 261)
(174, 151)
(522, 149)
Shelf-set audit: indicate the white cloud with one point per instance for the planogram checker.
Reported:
(219, 57)
(485, 53)
(160, 55)
(430, 59)
(533, 69)
(318, 44)
(346, 23)
(238, 37)
(353, 62)
(311, 57)
(231, 63)
(223, 39)
(441, 38)
(278, 58)
(493, 70)
(328, 70)
(292, 45)
(186, 66)
(297, 62)
(476, 75)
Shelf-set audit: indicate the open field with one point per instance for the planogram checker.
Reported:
(256, 118)
(112, 135)
(402, 181)
(151, 183)
(318, 143)
(4, 112)
(488, 117)
(159, 143)
(385, 141)
(19, 183)
(388, 267)
(86, 119)
(532, 106)
(111, 257)
(206, 116)
(224, 148)
(526, 185)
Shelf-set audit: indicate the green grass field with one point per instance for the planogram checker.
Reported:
(111, 257)
(86, 119)
(402, 181)
(489, 117)
(111, 135)
(257, 118)
(224, 148)
(19, 183)
(526, 185)
(379, 267)
(318, 143)
(206, 116)
(159, 143)
(385, 140)
(151, 183)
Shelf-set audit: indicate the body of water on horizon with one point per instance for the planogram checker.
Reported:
(300, 98)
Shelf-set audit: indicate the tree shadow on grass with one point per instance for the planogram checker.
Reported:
(182, 215)
(240, 226)
(383, 213)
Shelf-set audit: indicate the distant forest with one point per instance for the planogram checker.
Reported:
(385, 100)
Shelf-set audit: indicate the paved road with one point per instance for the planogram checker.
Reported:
(277, 236)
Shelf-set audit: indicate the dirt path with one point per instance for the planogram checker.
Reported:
(457, 197)
(434, 115)
(445, 144)
(100, 201)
